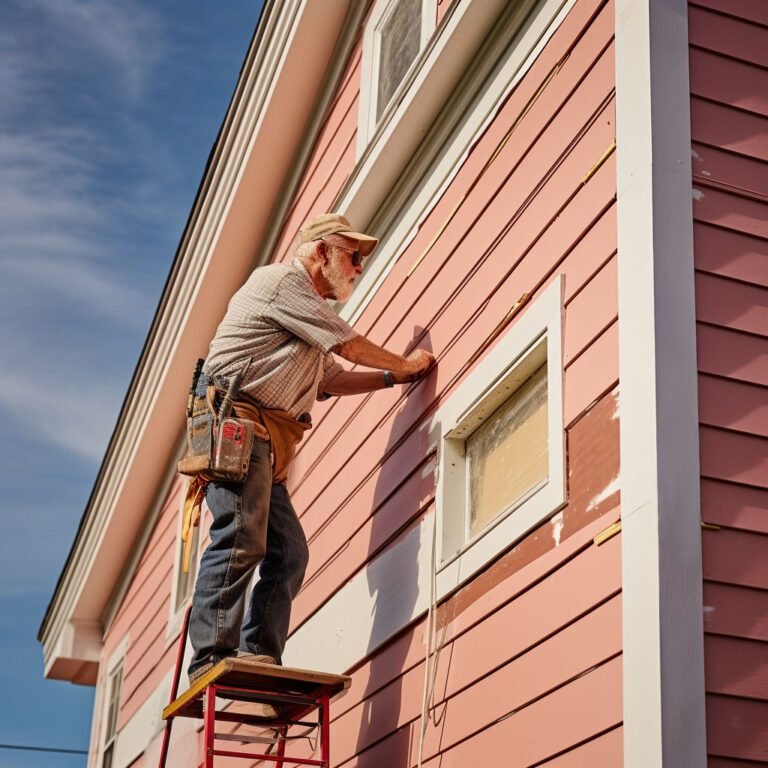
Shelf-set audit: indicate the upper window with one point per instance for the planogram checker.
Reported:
(501, 450)
(394, 36)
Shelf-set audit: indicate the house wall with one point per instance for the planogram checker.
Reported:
(729, 127)
(540, 630)
(139, 632)
(536, 635)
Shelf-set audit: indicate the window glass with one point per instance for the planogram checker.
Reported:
(399, 42)
(113, 708)
(507, 456)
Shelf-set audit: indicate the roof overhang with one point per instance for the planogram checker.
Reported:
(254, 157)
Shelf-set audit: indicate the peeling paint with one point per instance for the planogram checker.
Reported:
(429, 469)
(709, 609)
(557, 527)
(697, 194)
(695, 154)
(606, 493)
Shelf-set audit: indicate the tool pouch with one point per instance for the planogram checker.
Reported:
(217, 449)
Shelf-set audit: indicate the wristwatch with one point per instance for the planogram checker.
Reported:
(388, 379)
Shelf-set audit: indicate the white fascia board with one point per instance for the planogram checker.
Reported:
(664, 712)
(273, 102)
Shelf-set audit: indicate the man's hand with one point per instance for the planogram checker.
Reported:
(418, 363)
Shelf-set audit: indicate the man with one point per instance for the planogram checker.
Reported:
(280, 321)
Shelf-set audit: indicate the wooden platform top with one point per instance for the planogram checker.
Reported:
(252, 675)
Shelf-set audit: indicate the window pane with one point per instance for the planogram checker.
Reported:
(107, 759)
(507, 455)
(399, 41)
(115, 683)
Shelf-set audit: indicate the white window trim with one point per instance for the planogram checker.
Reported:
(116, 659)
(369, 70)
(543, 320)
(524, 49)
(176, 615)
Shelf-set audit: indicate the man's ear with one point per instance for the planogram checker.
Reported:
(322, 251)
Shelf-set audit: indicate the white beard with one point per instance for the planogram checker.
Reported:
(340, 284)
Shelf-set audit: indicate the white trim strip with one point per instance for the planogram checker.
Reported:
(664, 717)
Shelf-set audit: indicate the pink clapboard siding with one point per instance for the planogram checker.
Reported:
(360, 483)
(141, 620)
(729, 126)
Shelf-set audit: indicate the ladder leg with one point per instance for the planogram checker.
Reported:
(282, 733)
(209, 725)
(175, 687)
(325, 731)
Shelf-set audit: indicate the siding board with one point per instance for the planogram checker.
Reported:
(734, 506)
(736, 728)
(736, 558)
(733, 405)
(718, 125)
(729, 82)
(736, 667)
(730, 254)
(730, 36)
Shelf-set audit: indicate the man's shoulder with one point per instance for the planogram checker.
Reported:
(266, 280)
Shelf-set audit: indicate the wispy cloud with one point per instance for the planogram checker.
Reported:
(73, 150)
(126, 35)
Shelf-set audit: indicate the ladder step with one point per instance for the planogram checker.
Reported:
(245, 739)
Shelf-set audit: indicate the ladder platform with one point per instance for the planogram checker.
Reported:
(243, 680)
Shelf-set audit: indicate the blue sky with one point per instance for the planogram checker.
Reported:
(108, 109)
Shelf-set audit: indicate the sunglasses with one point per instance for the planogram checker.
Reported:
(357, 259)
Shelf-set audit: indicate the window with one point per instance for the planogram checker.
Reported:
(501, 449)
(507, 455)
(394, 36)
(114, 687)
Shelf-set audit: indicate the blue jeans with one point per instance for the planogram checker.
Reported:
(253, 522)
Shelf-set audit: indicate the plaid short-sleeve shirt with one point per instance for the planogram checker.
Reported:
(279, 320)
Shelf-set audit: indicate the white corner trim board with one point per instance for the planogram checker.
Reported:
(664, 711)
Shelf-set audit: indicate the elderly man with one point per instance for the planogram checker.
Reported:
(281, 321)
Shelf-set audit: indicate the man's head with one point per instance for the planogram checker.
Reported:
(333, 253)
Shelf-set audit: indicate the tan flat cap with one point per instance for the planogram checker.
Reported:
(325, 224)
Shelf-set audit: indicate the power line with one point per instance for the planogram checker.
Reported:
(45, 749)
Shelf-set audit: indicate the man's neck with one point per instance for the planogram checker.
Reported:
(319, 283)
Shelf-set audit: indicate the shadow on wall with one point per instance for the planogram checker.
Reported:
(394, 584)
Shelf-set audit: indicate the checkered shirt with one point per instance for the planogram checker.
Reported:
(279, 320)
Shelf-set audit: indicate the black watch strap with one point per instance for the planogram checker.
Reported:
(388, 379)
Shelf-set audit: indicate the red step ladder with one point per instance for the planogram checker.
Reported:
(300, 697)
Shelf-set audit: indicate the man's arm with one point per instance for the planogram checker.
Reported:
(356, 382)
(364, 352)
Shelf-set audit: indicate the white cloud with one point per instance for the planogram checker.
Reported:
(126, 35)
(72, 300)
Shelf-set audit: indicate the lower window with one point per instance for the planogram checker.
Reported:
(501, 449)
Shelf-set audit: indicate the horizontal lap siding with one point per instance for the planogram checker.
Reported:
(364, 475)
(144, 612)
(729, 127)
(331, 160)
